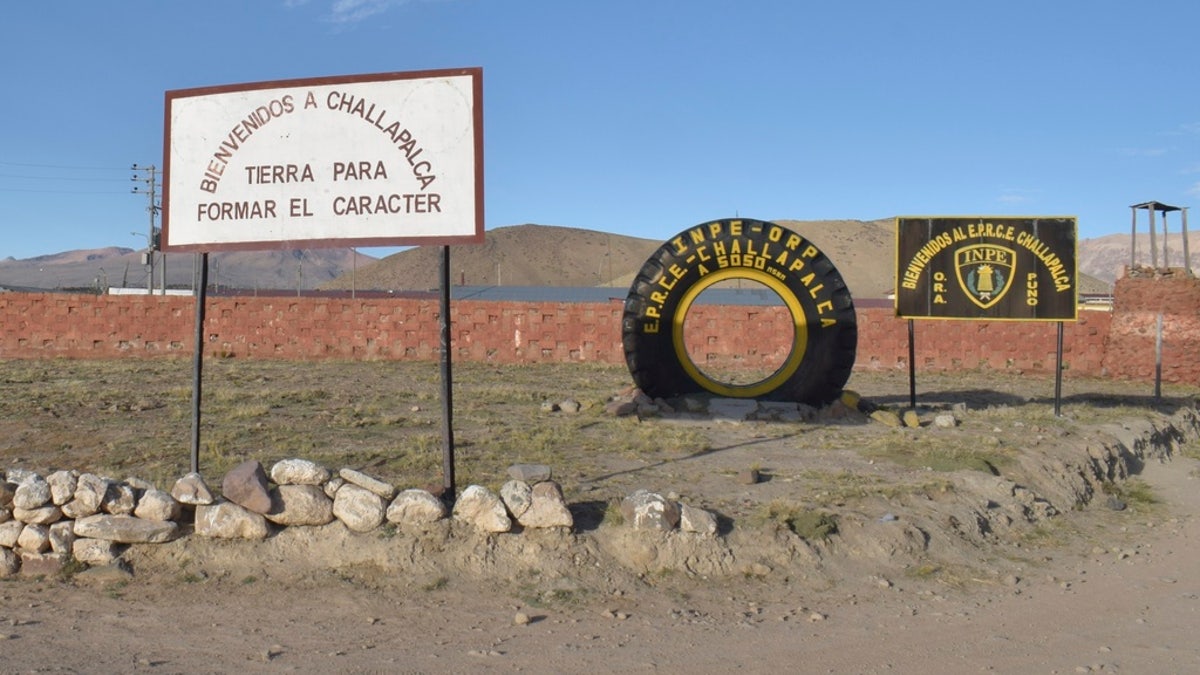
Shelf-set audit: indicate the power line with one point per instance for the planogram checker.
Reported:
(65, 166)
(65, 192)
(50, 179)
(71, 178)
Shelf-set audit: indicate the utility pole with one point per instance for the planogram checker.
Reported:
(149, 176)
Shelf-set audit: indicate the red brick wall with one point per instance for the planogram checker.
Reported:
(1118, 344)
(1015, 346)
(36, 325)
(1137, 304)
(721, 338)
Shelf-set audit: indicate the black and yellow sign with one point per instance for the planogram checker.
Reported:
(980, 267)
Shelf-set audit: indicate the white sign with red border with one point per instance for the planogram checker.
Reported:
(390, 159)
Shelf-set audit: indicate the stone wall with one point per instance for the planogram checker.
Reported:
(46, 522)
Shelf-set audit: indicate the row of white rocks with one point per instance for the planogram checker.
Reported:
(47, 521)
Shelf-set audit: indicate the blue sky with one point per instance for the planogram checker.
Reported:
(644, 117)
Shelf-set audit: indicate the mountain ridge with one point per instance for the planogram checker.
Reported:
(118, 267)
(550, 255)
(517, 255)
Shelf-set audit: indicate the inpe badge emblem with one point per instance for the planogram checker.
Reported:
(985, 272)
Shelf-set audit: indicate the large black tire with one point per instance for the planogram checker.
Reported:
(826, 332)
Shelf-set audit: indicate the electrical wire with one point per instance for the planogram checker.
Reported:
(66, 178)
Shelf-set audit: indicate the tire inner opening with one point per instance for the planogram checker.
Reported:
(738, 332)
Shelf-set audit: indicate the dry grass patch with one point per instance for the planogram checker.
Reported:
(133, 418)
(943, 452)
(802, 520)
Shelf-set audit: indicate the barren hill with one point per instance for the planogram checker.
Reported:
(115, 267)
(1106, 257)
(521, 255)
(544, 255)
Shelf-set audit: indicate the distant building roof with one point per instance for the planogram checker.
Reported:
(1157, 206)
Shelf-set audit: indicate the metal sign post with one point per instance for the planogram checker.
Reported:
(1058, 373)
(201, 284)
(1158, 352)
(448, 492)
(912, 367)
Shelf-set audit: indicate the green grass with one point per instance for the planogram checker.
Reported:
(805, 522)
(1134, 492)
(1190, 448)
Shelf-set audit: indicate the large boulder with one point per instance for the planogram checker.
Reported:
(298, 472)
(481, 508)
(192, 490)
(125, 529)
(226, 520)
(246, 486)
(62, 486)
(90, 491)
(645, 510)
(386, 491)
(301, 504)
(31, 493)
(416, 507)
(158, 505)
(547, 507)
(359, 508)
